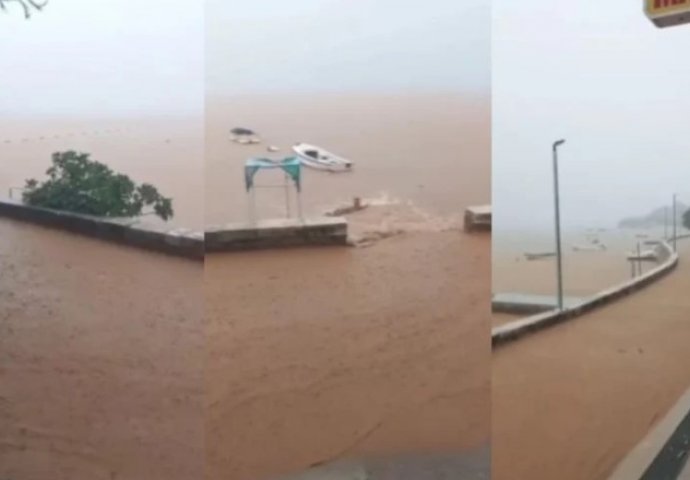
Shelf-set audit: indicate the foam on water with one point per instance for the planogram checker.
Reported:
(386, 216)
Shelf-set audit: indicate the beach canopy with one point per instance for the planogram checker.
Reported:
(290, 165)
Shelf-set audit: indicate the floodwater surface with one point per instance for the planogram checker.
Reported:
(601, 382)
(320, 354)
(101, 360)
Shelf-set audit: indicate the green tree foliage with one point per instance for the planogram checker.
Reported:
(686, 219)
(77, 184)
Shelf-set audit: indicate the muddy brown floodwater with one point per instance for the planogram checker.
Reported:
(122, 364)
(320, 354)
(584, 272)
(432, 150)
(101, 360)
(315, 355)
(571, 401)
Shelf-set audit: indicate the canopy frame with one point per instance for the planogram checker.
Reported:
(292, 171)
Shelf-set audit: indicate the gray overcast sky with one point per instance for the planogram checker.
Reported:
(103, 56)
(616, 87)
(117, 57)
(337, 45)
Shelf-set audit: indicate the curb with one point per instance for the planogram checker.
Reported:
(663, 453)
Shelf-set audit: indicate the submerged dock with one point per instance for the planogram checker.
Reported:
(478, 218)
(529, 304)
(277, 233)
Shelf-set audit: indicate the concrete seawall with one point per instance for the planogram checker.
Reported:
(179, 242)
(318, 231)
(283, 233)
(663, 453)
(514, 330)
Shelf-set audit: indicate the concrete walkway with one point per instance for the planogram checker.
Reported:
(529, 304)
(662, 454)
(471, 465)
(685, 474)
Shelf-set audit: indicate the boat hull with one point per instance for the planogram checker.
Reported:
(320, 159)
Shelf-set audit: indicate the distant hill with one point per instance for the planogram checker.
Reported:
(655, 218)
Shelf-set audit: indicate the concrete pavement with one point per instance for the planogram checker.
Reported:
(470, 465)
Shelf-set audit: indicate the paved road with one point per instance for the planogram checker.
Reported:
(570, 402)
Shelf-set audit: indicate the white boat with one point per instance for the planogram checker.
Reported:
(644, 255)
(539, 256)
(594, 247)
(320, 159)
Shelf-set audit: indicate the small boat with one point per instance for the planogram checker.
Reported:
(538, 256)
(595, 247)
(240, 131)
(320, 159)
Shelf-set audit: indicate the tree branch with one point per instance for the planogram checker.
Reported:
(26, 5)
(36, 5)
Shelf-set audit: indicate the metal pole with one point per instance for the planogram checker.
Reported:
(559, 259)
(287, 195)
(675, 216)
(252, 205)
(639, 260)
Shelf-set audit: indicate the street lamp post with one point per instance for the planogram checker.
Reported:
(559, 260)
(675, 218)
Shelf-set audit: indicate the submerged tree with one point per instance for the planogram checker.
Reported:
(27, 5)
(78, 184)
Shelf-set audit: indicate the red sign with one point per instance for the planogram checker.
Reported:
(667, 13)
(663, 6)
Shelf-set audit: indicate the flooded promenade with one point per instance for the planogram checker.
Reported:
(320, 354)
(317, 355)
(101, 345)
(100, 358)
(600, 381)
